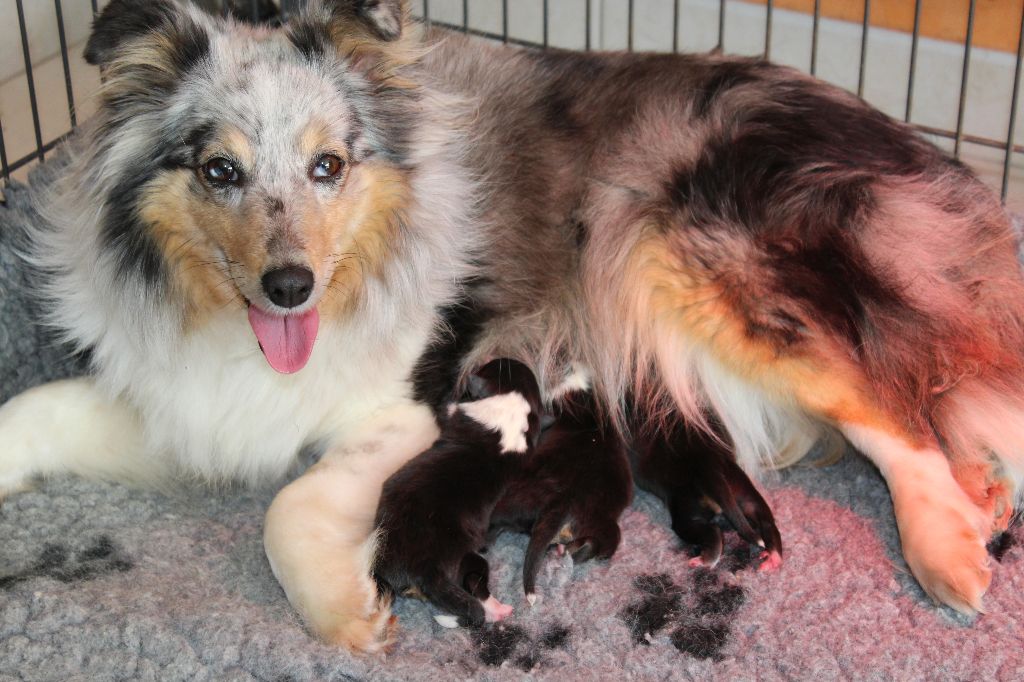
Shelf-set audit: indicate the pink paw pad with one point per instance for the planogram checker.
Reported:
(495, 611)
(701, 562)
(770, 561)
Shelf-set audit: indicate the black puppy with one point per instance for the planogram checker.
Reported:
(434, 512)
(573, 489)
(709, 484)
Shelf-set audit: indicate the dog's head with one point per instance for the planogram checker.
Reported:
(253, 167)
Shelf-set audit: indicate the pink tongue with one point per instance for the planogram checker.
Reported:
(286, 340)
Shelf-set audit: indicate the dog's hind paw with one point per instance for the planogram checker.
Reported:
(944, 535)
(946, 552)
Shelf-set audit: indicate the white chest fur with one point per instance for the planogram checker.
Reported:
(217, 406)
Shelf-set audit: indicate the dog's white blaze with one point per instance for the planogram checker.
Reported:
(507, 414)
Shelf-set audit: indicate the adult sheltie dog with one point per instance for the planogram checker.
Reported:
(378, 208)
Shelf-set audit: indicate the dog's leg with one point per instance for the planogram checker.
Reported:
(71, 427)
(319, 534)
(721, 330)
(942, 532)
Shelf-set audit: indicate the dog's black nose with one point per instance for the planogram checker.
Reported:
(288, 287)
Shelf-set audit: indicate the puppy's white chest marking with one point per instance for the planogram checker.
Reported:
(507, 414)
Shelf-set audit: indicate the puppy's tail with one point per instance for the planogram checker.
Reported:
(543, 535)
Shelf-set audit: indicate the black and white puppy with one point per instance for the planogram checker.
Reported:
(434, 512)
(574, 488)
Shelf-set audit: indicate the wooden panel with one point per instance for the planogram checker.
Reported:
(996, 22)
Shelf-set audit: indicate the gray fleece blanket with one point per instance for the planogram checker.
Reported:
(102, 582)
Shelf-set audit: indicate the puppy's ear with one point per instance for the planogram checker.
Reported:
(122, 21)
(383, 18)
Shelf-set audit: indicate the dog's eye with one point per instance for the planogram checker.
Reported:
(221, 171)
(326, 167)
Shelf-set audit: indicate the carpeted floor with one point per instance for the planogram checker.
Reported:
(101, 582)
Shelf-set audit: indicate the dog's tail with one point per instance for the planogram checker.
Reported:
(544, 533)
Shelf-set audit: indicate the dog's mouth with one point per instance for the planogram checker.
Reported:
(286, 340)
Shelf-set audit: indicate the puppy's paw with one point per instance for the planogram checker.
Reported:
(595, 541)
(726, 491)
(697, 475)
(495, 610)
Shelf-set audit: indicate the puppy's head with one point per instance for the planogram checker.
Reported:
(256, 168)
(502, 376)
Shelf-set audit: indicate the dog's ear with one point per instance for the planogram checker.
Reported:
(145, 47)
(383, 18)
(122, 21)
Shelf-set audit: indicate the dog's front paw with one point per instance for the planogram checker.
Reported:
(16, 473)
(371, 634)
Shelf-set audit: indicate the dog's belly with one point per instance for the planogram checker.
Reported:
(224, 414)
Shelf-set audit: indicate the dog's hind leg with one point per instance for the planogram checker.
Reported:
(70, 426)
(721, 330)
(318, 533)
(544, 532)
(942, 531)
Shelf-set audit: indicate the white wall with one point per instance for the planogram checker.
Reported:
(41, 26)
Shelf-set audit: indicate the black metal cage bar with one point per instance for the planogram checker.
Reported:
(865, 27)
(815, 30)
(914, 40)
(64, 61)
(4, 167)
(634, 33)
(1008, 156)
(30, 81)
(959, 135)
